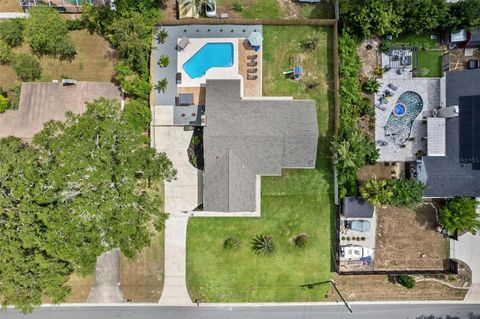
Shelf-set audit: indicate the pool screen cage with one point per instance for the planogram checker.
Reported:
(62, 5)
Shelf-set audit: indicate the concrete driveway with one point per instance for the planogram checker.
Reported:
(181, 196)
(467, 249)
(106, 282)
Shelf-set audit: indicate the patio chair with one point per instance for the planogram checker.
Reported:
(251, 77)
(183, 43)
(178, 78)
(252, 70)
(392, 86)
(380, 107)
(253, 63)
(252, 57)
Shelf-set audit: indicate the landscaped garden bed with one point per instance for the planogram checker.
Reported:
(298, 203)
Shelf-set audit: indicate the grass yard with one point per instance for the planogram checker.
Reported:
(94, 62)
(301, 201)
(422, 40)
(432, 61)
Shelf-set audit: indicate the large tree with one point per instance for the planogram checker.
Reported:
(462, 14)
(421, 16)
(460, 214)
(82, 188)
(47, 33)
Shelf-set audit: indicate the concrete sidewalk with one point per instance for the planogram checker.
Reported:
(106, 282)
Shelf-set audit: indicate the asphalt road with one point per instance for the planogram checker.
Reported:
(377, 311)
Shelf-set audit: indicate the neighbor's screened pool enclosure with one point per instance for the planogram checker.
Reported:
(62, 5)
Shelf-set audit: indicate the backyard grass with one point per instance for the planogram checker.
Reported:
(94, 62)
(301, 201)
(432, 61)
(253, 9)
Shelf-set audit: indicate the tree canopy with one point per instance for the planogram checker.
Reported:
(394, 192)
(82, 188)
(460, 214)
(47, 33)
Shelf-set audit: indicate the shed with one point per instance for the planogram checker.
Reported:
(356, 207)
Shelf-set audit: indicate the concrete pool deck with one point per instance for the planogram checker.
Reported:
(211, 32)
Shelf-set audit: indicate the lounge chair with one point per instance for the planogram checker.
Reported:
(183, 43)
(178, 78)
(252, 70)
(380, 107)
(253, 63)
(393, 86)
(252, 57)
(251, 77)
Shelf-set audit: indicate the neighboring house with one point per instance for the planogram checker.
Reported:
(41, 102)
(245, 138)
(452, 165)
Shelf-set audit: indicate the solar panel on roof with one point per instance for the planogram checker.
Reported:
(470, 130)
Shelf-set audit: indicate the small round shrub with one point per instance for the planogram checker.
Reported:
(231, 243)
(3, 103)
(406, 281)
(75, 24)
(237, 7)
(301, 240)
(263, 245)
(27, 67)
(11, 32)
(6, 53)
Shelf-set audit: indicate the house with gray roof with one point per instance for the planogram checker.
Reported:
(245, 138)
(452, 165)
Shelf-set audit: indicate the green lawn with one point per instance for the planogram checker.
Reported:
(432, 61)
(301, 201)
(418, 40)
(255, 9)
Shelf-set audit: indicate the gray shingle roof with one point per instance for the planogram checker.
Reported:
(355, 207)
(244, 138)
(447, 176)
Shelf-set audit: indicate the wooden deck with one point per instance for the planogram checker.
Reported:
(250, 87)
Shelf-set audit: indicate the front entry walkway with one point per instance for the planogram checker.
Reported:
(181, 196)
(106, 282)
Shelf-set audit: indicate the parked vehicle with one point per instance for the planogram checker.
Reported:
(211, 8)
(355, 252)
(360, 225)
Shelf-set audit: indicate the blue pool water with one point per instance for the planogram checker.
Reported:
(399, 109)
(211, 55)
(399, 124)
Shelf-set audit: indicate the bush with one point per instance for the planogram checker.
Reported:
(162, 35)
(3, 103)
(301, 240)
(47, 34)
(371, 86)
(163, 61)
(460, 214)
(137, 113)
(11, 32)
(385, 46)
(394, 192)
(14, 95)
(263, 245)
(75, 24)
(27, 67)
(231, 243)
(161, 85)
(237, 7)
(406, 281)
(6, 54)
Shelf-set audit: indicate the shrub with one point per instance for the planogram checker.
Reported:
(75, 24)
(371, 85)
(3, 103)
(301, 240)
(460, 214)
(385, 46)
(6, 54)
(263, 245)
(237, 7)
(14, 95)
(406, 281)
(27, 67)
(378, 71)
(161, 85)
(231, 243)
(163, 61)
(162, 35)
(137, 113)
(394, 192)
(11, 32)
(310, 42)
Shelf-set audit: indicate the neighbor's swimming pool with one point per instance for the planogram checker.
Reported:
(211, 55)
(399, 124)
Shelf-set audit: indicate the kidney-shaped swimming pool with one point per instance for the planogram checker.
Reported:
(211, 55)
(399, 124)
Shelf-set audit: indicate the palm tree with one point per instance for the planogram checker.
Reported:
(189, 4)
(263, 245)
(162, 35)
(163, 61)
(371, 85)
(161, 85)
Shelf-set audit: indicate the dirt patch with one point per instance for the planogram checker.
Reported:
(291, 9)
(169, 9)
(142, 278)
(369, 55)
(407, 240)
(384, 170)
(81, 287)
(379, 288)
(10, 6)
